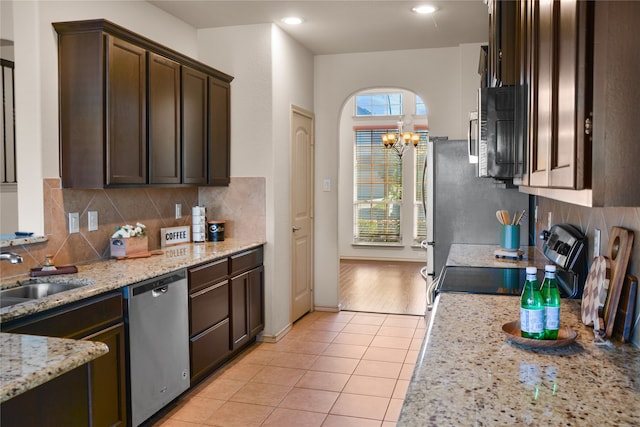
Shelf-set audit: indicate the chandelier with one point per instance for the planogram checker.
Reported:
(400, 141)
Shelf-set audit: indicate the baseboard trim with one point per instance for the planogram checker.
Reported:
(262, 337)
(332, 309)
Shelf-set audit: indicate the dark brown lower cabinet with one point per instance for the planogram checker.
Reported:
(247, 306)
(108, 381)
(99, 388)
(208, 350)
(63, 401)
(209, 327)
(224, 314)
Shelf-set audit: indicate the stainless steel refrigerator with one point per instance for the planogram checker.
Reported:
(464, 205)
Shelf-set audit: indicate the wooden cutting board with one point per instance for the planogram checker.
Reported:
(139, 255)
(618, 252)
(624, 315)
(595, 292)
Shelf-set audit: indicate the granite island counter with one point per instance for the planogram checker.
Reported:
(469, 374)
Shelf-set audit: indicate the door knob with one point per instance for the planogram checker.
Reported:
(294, 228)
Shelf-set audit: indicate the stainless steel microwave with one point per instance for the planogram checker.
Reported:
(496, 133)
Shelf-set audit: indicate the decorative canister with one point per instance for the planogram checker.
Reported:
(215, 231)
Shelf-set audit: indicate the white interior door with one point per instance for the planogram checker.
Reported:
(301, 213)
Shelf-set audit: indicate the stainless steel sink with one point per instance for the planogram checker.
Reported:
(33, 291)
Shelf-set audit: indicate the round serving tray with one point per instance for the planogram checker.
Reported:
(566, 336)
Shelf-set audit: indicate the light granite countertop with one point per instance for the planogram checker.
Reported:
(466, 255)
(106, 275)
(28, 361)
(469, 374)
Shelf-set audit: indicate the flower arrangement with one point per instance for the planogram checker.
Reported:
(129, 240)
(127, 231)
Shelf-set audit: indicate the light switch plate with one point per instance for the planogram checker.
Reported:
(326, 184)
(74, 222)
(92, 221)
(596, 242)
(178, 211)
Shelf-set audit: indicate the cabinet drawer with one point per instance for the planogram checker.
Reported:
(208, 274)
(245, 261)
(209, 349)
(75, 320)
(208, 307)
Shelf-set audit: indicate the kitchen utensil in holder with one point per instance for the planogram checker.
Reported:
(510, 237)
(199, 223)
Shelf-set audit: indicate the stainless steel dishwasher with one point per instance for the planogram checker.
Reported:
(158, 332)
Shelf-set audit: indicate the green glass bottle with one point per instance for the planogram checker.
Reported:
(551, 301)
(531, 307)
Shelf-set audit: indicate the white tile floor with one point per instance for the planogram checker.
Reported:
(332, 369)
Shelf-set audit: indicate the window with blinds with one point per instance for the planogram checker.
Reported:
(378, 189)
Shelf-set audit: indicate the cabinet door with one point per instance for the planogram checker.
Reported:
(239, 313)
(541, 88)
(502, 36)
(247, 306)
(219, 134)
(561, 94)
(572, 95)
(107, 381)
(194, 126)
(256, 301)
(164, 120)
(126, 120)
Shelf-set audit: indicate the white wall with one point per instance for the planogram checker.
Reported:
(271, 72)
(37, 81)
(437, 75)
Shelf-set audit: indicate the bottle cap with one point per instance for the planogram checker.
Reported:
(550, 268)
(532, 270)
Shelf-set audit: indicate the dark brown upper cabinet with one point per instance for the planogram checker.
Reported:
(136, 113)
(502, 43)
(578, 61)
(194, 125)
(219, 137)
(164, 120)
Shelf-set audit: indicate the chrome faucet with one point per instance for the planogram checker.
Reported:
(12, 257)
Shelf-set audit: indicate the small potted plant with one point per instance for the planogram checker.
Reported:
(129, 240)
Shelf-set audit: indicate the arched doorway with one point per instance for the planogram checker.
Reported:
(381, 218)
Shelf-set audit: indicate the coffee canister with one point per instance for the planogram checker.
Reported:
(215, 231)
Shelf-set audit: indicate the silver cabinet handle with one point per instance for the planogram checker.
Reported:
(294, 228)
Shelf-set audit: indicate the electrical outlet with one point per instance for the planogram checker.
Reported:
(178, 211)
(92, 221)
(596, 242)
(326, 184)
(549, 220)
(74, 222)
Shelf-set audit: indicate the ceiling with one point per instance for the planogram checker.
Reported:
(334, 27)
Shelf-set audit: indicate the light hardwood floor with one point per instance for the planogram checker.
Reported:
(391, 287)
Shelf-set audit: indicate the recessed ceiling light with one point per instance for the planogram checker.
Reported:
(292, 20)
(425, 9)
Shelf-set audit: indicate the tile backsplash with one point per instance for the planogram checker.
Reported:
(589, 219)
(241, 205)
